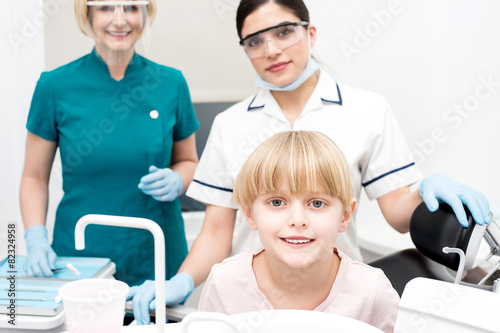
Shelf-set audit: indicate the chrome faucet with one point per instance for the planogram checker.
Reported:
(159, 250)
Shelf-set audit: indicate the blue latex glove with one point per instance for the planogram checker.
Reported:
(161, 184)
(41, 258)
(177, 290)
(436, 189)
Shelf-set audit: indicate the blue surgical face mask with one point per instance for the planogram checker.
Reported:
(311, 67)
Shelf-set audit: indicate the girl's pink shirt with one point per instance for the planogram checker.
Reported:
(360, 291)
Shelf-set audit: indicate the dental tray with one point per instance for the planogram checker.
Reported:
(41, 292)
(88, 268)
(42, 295)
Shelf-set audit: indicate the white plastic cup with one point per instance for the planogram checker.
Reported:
(94, 305)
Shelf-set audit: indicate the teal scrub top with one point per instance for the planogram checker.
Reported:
(109, 132)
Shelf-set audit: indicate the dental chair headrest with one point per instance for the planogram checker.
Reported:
(431, 231)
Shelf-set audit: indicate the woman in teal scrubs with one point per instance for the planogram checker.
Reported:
(125, 130)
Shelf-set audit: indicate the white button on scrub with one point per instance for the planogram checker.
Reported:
(154, 114)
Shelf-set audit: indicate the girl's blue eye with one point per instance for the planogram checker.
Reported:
(317, 204)
(276, 202)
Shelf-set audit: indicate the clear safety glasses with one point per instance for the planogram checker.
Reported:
(112, 9)
(283, 36)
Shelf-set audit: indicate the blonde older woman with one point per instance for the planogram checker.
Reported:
(125, 129)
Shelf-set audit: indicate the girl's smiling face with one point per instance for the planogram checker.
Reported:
(298, 229)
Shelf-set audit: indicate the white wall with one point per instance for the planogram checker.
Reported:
(21, 61)
(429, 59)
(426, 57)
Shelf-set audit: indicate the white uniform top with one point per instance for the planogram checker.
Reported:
(361, 123)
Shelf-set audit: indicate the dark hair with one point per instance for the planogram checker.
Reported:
(247, 7)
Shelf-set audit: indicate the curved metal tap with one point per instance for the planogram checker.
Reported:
(159, 250)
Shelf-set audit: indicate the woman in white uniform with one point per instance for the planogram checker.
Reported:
(297, 94)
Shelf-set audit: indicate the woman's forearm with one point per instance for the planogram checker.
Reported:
(185, 160)
(212, 245)
(34, 197)
(398, 207)
(185, 169)
(34, 191)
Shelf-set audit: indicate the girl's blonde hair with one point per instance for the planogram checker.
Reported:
(306, 159)
(82, 15)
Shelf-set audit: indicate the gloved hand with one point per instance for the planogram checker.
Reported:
(161, 184)
(41, 258)
(436, 189)
(177, 290)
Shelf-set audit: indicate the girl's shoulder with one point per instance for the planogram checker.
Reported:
(233, 269)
